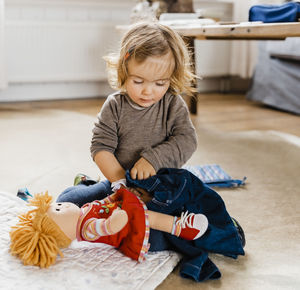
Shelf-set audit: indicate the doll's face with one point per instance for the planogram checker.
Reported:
(65, 215)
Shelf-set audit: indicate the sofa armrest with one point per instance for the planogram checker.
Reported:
(287, 57)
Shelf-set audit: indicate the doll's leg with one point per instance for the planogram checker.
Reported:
(81, 194)
(160, 221)
(188, 226)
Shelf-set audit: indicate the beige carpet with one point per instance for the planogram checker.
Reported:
(45, 149)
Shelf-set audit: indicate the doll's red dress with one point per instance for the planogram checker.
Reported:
(132, 240)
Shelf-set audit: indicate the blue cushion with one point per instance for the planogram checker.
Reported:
(289, 12)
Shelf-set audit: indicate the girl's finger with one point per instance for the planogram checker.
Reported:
(146, 175)
(133, 173)
(140, 175)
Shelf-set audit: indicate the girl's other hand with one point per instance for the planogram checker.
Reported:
(142, 169)
(141, 193)
(135, 191)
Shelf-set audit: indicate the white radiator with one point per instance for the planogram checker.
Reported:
(53, 46)
(2, 68)
(57, 52)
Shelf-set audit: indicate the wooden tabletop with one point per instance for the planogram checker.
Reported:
(247, 30)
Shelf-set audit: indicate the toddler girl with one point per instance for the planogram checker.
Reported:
(145, 125)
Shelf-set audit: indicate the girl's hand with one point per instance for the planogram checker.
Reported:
(142, 169)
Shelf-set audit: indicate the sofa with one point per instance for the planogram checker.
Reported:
(276, 80)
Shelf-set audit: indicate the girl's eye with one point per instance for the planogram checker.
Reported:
(161, 83)
(138, 82)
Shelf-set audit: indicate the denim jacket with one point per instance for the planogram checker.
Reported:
(175, 191)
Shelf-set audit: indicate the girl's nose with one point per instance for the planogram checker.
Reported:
(147, 89)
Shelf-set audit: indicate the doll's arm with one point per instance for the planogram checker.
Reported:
(95, 228)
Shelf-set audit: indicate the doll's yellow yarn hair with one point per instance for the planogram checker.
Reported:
(36, 239)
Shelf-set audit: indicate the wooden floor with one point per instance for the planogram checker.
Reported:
(226, 112)
(232, 112)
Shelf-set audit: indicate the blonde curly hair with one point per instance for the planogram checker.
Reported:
(146, 39)
(36, 239)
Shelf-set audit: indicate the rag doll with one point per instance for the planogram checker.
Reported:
(121, 220)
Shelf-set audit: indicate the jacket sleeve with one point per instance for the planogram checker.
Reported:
(105, 129)
(181, 141)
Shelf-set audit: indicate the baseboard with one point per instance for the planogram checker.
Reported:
(18, 92)
(52, 91)
(224, 84)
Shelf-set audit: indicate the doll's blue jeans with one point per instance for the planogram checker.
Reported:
(82, 194)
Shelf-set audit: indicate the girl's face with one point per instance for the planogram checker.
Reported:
(149, 80)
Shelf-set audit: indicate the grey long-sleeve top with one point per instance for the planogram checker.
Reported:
(163, 133)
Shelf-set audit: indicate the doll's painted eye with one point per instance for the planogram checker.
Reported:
(59, 204)
(57, 209)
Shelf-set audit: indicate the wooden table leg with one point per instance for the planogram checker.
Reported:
(193, 104)
(193, 100)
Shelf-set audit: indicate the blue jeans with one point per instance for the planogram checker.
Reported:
(175, 191)
(82, 194)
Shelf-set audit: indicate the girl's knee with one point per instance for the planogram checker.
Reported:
(68, 194)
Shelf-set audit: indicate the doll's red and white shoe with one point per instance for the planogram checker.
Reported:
(190, 226)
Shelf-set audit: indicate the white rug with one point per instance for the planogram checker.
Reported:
(84, 266)
(45, 149)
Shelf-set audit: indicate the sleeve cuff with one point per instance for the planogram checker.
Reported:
(116, 185)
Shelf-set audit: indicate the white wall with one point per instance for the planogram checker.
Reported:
(213, 56)
(244, 52)
(54, 48)
(2, 65)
